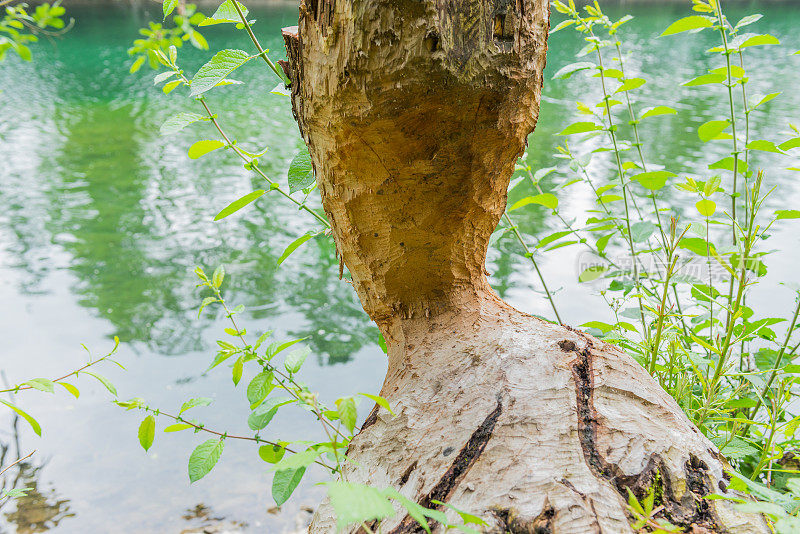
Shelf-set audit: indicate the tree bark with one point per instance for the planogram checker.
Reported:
(415, 112)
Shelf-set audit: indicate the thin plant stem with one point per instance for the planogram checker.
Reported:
(529, 254)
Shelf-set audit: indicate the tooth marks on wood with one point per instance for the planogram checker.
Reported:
(466, 458)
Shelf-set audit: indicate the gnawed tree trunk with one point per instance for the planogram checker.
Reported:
(415, 112)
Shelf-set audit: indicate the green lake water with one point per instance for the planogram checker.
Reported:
(102, 222)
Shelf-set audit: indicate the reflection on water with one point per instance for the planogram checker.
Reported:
(103, 221)
(39, 510)
(205, 521)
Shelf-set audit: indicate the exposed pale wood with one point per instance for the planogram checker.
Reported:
(415, 112)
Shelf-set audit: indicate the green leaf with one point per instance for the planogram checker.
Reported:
(552, 237)
(706, 207)
(147, 432)
(568, 70)
(295, 359)
(580, 127)
(238, 204)
(261, 416)
(705, 79)
(764, 146)
(632, 83)
(726, 164)
(217, 69)
(259, 387)
(790, 144)
(72, 389)
(696, 245)
(297, 461)
(103, 380)
(238, 369)
(592, 273)
(168, 88)
(301, 172)
(603, 327)
(356, 503)
(380, 401)
(712, 129)
(653, 180)
(738, 448)
(42, 384)
(284, 483)
(225, 13)
(194, 403)
(271, 453)
(466, 517)
(746, 21)
(31, 421)
(656, 111)
(178, 122)
(168, 6)
(346, 408)
(758, 100)
(163, 76)
(177, 427)
(787, 214)
(642, 230)
(414, 509)
(204, 458)
(137, 64)
(759, 40)
(547, 200)
(218, 277)
(201, 148)
(294, 245)
(694, 22)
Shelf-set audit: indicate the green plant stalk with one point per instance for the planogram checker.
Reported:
(747, 112)
(621, 173)
(767, 446)
(261, 52)
(661, 315)
(778, 360)
(20, 387)
(569, 227)
(535, 265)
(710, 286)
(733, 312)
(254, 167)
(637, 139)
(250, 163)
(724, 35)
(198, 428)
(620, 228)
(280, 375)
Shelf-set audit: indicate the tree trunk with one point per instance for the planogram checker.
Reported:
(415, 112)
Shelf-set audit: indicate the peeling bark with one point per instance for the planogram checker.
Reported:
(415, 112)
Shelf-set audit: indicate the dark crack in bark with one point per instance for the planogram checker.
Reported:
(691, 510)
(466, 458)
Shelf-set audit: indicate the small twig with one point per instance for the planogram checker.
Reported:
(17, 461)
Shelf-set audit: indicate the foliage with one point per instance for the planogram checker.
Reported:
(20, 26)
(678, 284)
(158, 37)
(728, 365)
